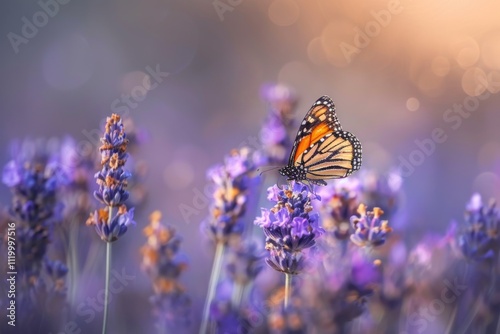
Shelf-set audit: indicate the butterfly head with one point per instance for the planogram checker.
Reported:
(293, 173)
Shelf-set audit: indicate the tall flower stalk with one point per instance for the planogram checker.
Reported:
(35, 178)
(112, 221)
(163, 263)
(232, 181)
(290, 227)
(79, 166)
(479, 244)
(279, 123)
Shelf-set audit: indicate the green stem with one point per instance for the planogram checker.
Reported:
(288, 289)
(214, 279)
(108, 267)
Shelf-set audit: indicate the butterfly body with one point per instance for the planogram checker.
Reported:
(322, 150)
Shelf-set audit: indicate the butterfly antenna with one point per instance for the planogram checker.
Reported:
(267, 169)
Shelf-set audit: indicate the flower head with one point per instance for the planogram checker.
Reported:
(370, 230)
(383, 191)
(228, 318)
(78, 165)
(290, 227)
(110, 224)
(163, 263)
(112, 179)
(282, 101)
(35, 187)
(279, 122)
(287, 320)
(35, 177)
(232, 181)
(340, 201)
(244, 263)
(111, 229)
(479, 240)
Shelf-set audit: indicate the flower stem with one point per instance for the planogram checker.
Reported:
(288, 289)
(106, 287)
(73, 251)
(214, 279)
(237, 294)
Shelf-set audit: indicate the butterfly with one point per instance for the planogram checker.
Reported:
(322, 150)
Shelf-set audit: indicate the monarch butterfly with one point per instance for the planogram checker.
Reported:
(322, 150)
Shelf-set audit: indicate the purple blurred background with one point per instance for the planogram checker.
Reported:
(393, 84)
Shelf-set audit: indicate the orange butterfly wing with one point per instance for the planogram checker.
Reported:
(322, 150)
(319, 120)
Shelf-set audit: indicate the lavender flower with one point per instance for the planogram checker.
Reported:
(479, 240)
(35, 178)
(335, 298)
(232, 180)
(279, 122)
(111, 229)
(164, 264)
(383, 191)
(34, 186)
(370, 230)
(112, 181)
(229, 319)
(281, 99)
(348, 303)
(290, 227)
(339, 203)
(78, 166)
(56, 271)
(243, 263)
(288, 320)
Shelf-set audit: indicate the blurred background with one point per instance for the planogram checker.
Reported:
(189, 74)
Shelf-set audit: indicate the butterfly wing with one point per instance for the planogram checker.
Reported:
(322, 150)
(319, 120)
(335, 155)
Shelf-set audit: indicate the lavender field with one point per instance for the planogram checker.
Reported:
(143, 146)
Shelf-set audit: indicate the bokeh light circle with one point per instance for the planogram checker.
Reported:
(490, 51)
(487, 184)
(465, 50)
(474, 81)
(412, 104)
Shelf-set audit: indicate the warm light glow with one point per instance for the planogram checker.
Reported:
(284, 12)
(440, 66)
(474, 81)
(412, 104)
